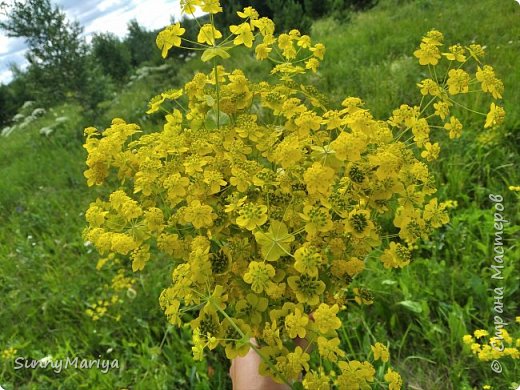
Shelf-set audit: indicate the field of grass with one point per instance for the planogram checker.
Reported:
(48, 275)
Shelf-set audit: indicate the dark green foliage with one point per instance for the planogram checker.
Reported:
(141, 44)
(13, 95)
(314, 8)
(112, 54)
(289, 14)
(230, 7)
(8, 106)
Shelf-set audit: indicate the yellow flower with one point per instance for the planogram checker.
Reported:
(208, 33)
(476, 51)
(235, 204)
(252, 216)
(307, 261)
(456, 53)
(395, 256)
(199, 215)
(329, 349)
(304, 41)
(265, 26)
(431, 151)
(380, 352)
(211, 6)
(359, 224)
(458, 81)
(394, 380)
(214, 180)
(243, 34)
(122, 243)
(262, 51)
(325, 318)
(154, 219)
(454, 127)
(348, 146)
(251, 308)
(189, 6)
(95, 215)
(354, 266)
(495, 116)
(155, 103)
(433, 37)
(297, 361)
(169, 37)
(312, 64)
(429, 87)
(318, 179)
(295, 324)
(258, 275)
(318, 50)
(173, 94)
(355, 375)
(489, 82)
(442, 109)
(306, 288)
(248, 12)
(411, 223)
(362, 296)
(316, 380)
(435, 214)
(317, 219)
(480, 333)
(9, 353)
(428, 54)
(139, 258)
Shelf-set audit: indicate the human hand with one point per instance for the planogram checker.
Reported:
(244, 374)
(244, 371)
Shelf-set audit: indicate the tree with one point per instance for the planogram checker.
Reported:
(141, 44)
(58, 54)
(112, 54)
(289, 14)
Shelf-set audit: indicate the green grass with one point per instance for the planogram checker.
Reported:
(49, 278)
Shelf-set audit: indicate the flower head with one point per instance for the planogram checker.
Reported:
(169, 37)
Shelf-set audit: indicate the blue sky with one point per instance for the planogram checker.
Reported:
(95, 16)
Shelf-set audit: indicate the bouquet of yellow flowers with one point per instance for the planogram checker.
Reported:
(268, 201)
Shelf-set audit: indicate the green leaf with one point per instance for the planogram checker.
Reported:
(275, 242)
(213, 52)
(413, 306)
(210, 101)
(214, 121)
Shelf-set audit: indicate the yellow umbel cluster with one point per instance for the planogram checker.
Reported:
(262, 188)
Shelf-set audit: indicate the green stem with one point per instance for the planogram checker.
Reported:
(254, 347)
(215, 70)
(467, 108)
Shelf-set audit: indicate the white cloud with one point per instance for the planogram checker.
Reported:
(106, 4)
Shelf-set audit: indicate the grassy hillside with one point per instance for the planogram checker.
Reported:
(49, 276)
